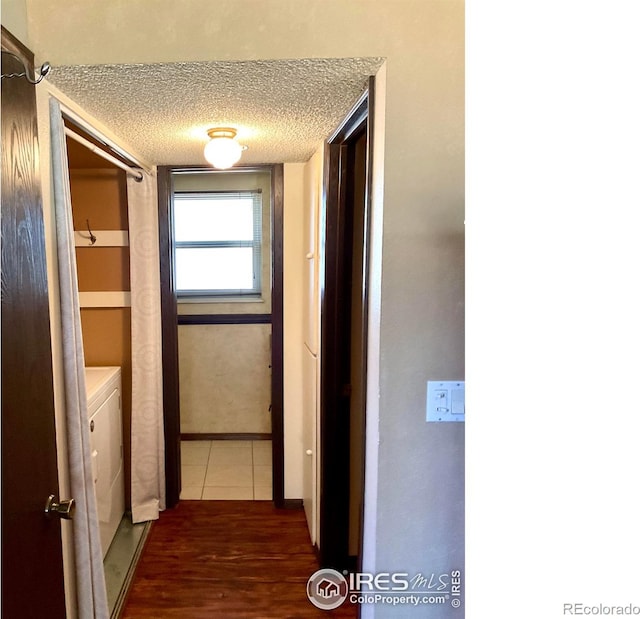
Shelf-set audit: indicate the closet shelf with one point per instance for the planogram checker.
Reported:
(112, 298)
(104, 238)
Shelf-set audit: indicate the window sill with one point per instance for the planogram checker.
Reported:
(238, 299)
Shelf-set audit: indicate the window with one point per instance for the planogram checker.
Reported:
(217, 241)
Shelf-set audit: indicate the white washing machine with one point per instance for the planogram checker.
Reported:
(104, 400)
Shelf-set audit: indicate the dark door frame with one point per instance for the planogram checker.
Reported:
(171, 393)
(335, 361)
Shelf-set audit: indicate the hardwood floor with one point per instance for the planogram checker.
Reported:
(229, 559)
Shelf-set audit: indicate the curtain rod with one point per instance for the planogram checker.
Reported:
(137, 174)
(69, 115)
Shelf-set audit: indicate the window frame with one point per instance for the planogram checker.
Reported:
(256, 244)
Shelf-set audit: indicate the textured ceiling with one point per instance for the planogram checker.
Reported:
(282, 109)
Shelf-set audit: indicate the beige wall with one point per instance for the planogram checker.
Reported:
(99, 196)
(225, 380)
(13, 14)
(292, 304)
(420, 242)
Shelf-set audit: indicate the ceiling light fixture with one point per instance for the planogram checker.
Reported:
(223, 150)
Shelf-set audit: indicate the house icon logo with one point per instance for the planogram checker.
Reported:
(327, 589)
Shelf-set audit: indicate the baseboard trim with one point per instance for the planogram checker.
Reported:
(292, 504)
(226, 436)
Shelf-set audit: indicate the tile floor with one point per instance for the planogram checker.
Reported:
(226, 470)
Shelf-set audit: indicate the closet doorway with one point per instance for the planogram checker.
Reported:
(344, 342)
(99, 208)
(222, 331)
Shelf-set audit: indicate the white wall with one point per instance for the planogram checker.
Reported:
(419, 490)
(310, 292)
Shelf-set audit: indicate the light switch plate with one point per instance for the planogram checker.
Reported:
(445, 400)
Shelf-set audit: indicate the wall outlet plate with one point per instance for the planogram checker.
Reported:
(445, 400)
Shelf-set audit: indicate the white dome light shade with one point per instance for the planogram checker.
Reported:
(222, 151)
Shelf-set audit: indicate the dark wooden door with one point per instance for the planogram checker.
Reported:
(32, 575)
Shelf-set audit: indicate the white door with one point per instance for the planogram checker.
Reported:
(311, 335)
(309, 437)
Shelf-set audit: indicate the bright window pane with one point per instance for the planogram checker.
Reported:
(213, 219)
(214, 268)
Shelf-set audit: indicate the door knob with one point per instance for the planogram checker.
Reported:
(309, 452)
(63, 509)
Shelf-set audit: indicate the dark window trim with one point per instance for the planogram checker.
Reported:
(277, 332)
(224, 319)
(217, 295)
(226, 436)
(169, 309)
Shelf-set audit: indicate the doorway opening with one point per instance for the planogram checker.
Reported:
(344, 337)
(222, 338)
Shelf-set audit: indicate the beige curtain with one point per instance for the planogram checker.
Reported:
(147, 429)
(90, 583)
